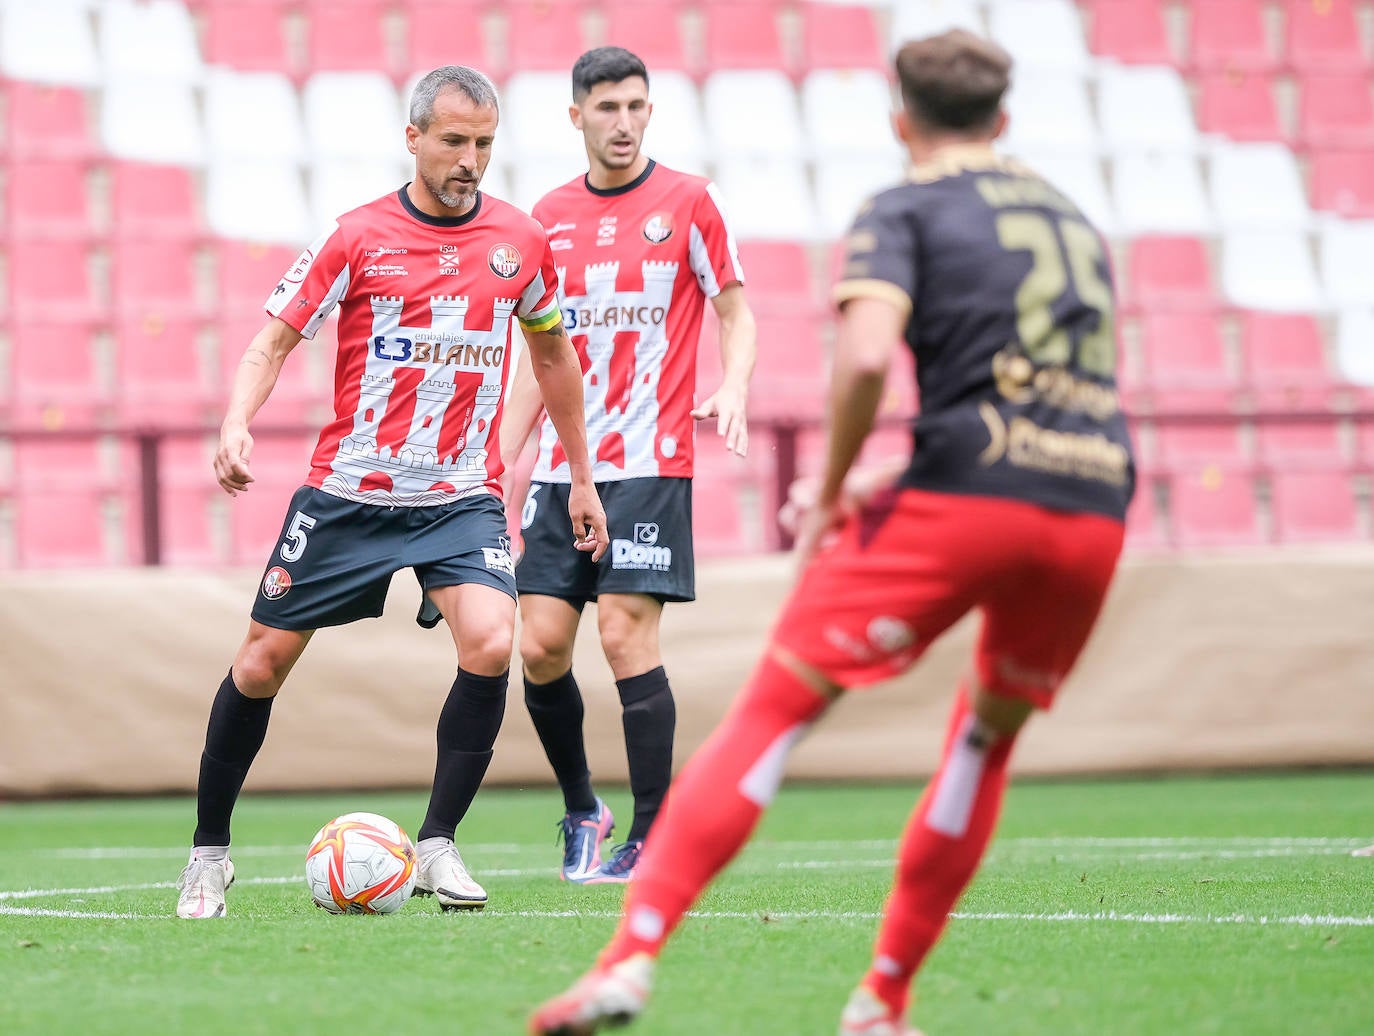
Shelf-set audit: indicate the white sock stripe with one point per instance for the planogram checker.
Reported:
(760, 784)
(951, 804)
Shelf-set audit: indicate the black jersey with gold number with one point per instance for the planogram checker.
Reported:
(1009, 294)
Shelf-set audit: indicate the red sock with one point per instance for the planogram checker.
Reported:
(940, 851)
(712, 806)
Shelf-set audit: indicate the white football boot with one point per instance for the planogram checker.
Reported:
(604, 997)
(439, 872)
(201, 887)
(866, 1015)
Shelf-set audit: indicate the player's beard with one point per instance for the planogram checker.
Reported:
(451, 200)
(616, 160)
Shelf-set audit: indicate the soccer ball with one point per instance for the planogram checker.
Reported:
(360, 863)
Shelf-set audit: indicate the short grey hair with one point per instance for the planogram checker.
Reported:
(473, 84)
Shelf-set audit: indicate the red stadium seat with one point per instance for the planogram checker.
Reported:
(1292, 444)
(432, 41)
(187, 498)
(1364, 444)
(1146, 529)
(722, 524)
(48, 200)
(835, 36)
(652, 30)
(248, 36)
(1283, 358)
(154, 280)
(778, 274)
(744, 35)
(48, 122)
(1172, 272)
(295, 397)
(50, 282)
(346, 36)
(60, 504)
(1195, 445)
(1314, 506)
(280, 465)
(1342, 181)
(1336, 111)
(1238, 105)
(1323, 36)
(1132, 31)
(1229, 34)
(56, 376)
(791, 376)
(247, 273)
(543, 36)
(154, 201)
(1214, 507)
(1185, 364)
(158, 374)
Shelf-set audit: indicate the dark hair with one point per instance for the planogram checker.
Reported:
(953, 81)
(604, 65)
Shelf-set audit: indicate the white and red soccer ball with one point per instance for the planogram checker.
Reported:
(360, 863)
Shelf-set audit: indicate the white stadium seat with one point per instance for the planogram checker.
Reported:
(843, 185)
(337, 187)
(259, 201)
(148, 120)
(753, 113)
(253, 115)
(530, 181)
(1080, 178)
(1347, 261)
(676, 135)
(1145, 108)
(1270, 270)
(1047, 112)
(49, 42)
(1258, 187)
(848, 113)
(352, 115)
(1355, 346)
(911, 21)
(1040, 35)
(767, 199)
(1161, 194)
(534, 122)
(155, 39)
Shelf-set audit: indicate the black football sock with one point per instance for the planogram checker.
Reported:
(467, 729)
(556, 710)
(649, 717)
(233, 736)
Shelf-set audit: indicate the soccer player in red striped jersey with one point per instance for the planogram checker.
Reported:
(640, 249)
(428, 281)
(1013, 502)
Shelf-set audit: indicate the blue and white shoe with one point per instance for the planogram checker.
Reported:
(620, 867)
(582, 833)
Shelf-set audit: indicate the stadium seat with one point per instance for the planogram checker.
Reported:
(52, 43)
(778, 274)
(337, 187)
(296, 396)
(1238, 106)
(253, 115)
(847, 114)
(188, 498)
(791, 376)
(246, 274)
(258, 201)
(768, 199)
(150, 121)
(843, 186)
(47, 122)
(154, 202)
(346, 37)
(50, 281)
(1214, 507)
(1229, 35)
(280, 466)
(1146, 529)
(1145, 107)
(735, 126)
(531, 181)
(1364, 444)
(676, 134)
(49, 200)
(431, 41)
(1283, 359)
(1269, 270)
(535, 126)
(1314, 507)
(841, 37)
(1258, 187)
(1172, 272)
(652, 30)
(1201, 442)
(57, 376)
(1336, 111)
(1080, 178)
(1322, 36)
(1342, 181)
(352, 115)
(154, 280)
(1161, 193)
(1346, 248)
(248, 37)
(1355, 348)
(914, 21)
(1131, 31)
(723, 523)
(1299, 443)
(544, 37)
(1040, 35)
(1185, 366)
(60, 504)
(151, 39)
(744, 35)
(158, 374)
(1049, 113)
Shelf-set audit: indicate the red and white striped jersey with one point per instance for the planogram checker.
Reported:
(636, 264)
(425, 307)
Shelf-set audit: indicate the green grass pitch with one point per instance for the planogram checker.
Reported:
(1197, 905)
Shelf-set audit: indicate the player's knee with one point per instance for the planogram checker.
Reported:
(1000, 713)
(627, 642)
(488, 650)
(259, 671)
(543, 657)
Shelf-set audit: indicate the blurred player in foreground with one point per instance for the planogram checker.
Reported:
(406, 475)
(640, 248)
(1013, 503)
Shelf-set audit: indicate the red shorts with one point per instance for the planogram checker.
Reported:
(908, 567)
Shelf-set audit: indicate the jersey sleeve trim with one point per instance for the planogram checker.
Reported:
(544, 319)
(872, 288)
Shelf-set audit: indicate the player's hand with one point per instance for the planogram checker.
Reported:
(231, 459)
(817, 529)
(588, 520)
(726, 405)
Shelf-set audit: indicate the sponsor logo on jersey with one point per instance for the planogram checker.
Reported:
(468, 355)
(276, 583)
(646, 532)
(377, 253)
(300, 267)
(614, 316)
(499, 560)
(890, 635)
(605, 230)
(658, 228)
(448, 260)
(559, 228)
(504, 261)
(643, 552)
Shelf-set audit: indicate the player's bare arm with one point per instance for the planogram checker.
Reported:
(865, 339)
(519, 417)
(558, 374)
(254, 379)
(737, 354)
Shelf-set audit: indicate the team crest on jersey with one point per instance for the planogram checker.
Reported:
(658, 228)
(448, 260)
(504, 261)
(276, 583)
(300, 268)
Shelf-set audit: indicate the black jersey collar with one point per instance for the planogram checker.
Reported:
(611, 192)
(439, 221)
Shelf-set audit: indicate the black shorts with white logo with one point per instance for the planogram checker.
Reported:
(334, 560)
(650, 522)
